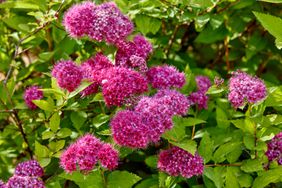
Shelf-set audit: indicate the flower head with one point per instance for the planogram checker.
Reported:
(165, 77)
(108, 157)
(32, 93)
(218, 81)
(29, 168)
(176, 161)
(109, 24)
(68, 75)
(203, 83)
(120, 83)
(243, 87)
(198, 98)
(78, 20)
(274, 149)
(24, 182)
(2, 184)
(128, 130)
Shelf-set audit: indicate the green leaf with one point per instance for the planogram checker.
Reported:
(55, 122)
(19, 5)
(210, 35)
(200, 3)
(180, 121)
(148, 183)
(245, 124)
(215, 174)
(221, 118)
(152, 161)
(272, 1)
(176, 134)
(40, 150)
(267, 177)
(92, 180)
(206, 148)
(221, 153)
(214, 90)
(147, 24)
(57, 146)
(82, 86)
(274, 97)
(78, 118)
(271, 23)
(231, 179)
(47, 134)
(52, 91)
(64, 132)
(122, 179)
(100, 120)
(245, 180)
(252, 165)
(44, 105)
(188, 145)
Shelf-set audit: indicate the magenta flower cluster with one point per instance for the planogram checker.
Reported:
(151, 117)
(245, 88)
(27, 174)
(32, 93)
(176, 161)
(164, 77)
(84, 154)
(199, 97)
(98, 22)
(274, 149)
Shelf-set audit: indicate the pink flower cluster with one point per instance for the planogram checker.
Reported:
(151, 117)
(165, 77)
(99, 22)
(199, 97)
(176, 161)
(68, 75)
(84, 154)
(32, 93)
(274, 149)
(134, 54)
(27, 174)
(243, 87)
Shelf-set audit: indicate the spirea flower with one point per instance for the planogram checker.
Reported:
(108, 157)
(274, 149)
(198, 98)
(2, 184)
(82, 153)
(120, 83)
(203, 83)
(176, 161)
(243, 87)
(218, 81)
(133, 54)
(32, 93)
(68, 75)
(29, 168)
(78, 20)
(24, 182)
(164, 77)
(128, 129)
(109, 24)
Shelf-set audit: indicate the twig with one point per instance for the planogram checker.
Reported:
(171, 40)
(226, 42)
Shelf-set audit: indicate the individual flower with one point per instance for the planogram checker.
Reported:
(176, 161)
(78, 20)
(29, 168)
(134, 54)
(81, 154)
(108, 157)
(128, 129)
(68, 75)
(24, 182)
(203, 83)
(198, 98)
(120, 83)
(243, 87)
(32, 93)
(164, 77)
(274, 149)
(109, 24)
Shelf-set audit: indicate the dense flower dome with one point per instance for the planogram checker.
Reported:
(128, 129)
(32, 93)
(274, 149)
(29, 168)
(243, 87)
(78, 20)
(24, 182)
(68, 75)
(203, 83)
(165, 77)
(176, 161)
(120, 83)
(108, 157)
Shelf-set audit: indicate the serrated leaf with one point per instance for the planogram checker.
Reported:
(82, 86)
(221, 153)
(252, 165)
(55, 122)
(206, 148)
(100, 120)
(44, 105)
(19, 5)
(147, 24)
(78, 119)
(180, 121)
(187, 145)
(40, 150)
(267, 177)
(64, 132)
(272, 1)
(122, 179)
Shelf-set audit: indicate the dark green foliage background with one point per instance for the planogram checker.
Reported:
(208, 37)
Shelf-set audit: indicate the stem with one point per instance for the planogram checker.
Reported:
(171, 40)
(103, 177)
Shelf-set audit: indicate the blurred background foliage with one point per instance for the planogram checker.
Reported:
(208, 37)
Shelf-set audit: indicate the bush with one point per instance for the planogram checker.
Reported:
(140, 94)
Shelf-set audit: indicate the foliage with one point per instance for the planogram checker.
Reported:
(199, 37)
